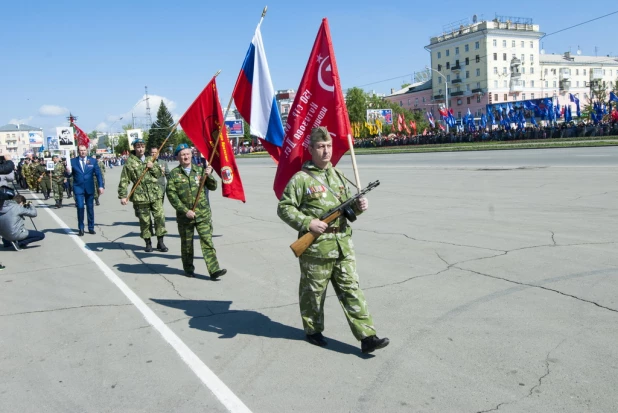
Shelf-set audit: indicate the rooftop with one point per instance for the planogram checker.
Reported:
(11, 127)
(414, 87)
(578, 59)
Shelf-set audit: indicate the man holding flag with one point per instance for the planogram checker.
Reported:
(308, 185)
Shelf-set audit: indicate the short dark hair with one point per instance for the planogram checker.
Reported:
(20, 199)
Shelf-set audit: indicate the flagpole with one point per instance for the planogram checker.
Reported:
(214, 151)
(356, 177)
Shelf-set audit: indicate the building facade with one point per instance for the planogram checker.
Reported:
(498, 61)
(18, 140)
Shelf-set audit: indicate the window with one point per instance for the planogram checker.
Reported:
(478, 72)
(477, 45)
(506, 97)
(439, 79)
(495, 42)
(584, 71)
(496, 97)
(457, 50)
(495, 56)
(531, 44)
(531, 58)
(505, 84)
(545, 71)
(416, 102)
(513, 43)
(496, 84)
(439, 55)
(439, 91)
(523, 83)
(478, 85)
(513, 56)
(478, 59)
(423, 99)
(532, 70)
(439, 68)
(553, 71)
(531, 94)
(448, 78)
(504, 70)
(457, 62)
(523, 70)
(532, 83)
(467, 48)
(495, 70)
(459, 115)
(554, 83)
(522, 43)
(468, 100)
(447, 52)
(467, 74)
(503, 43)
(401, 103)
(467, 87)
(467, 61)
(603, 72)
(504, 56)
(523, 95)
(478, 98)
(523, 57)
(448, 65)
(409, 101)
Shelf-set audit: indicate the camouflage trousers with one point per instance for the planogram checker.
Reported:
(45, 185)
(143, 211)
(315, 273)
(96, 188)
(58, 187)
(186, 229)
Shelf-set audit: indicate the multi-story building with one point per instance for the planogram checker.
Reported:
(285, 99)
(17, 140)
(487, 62)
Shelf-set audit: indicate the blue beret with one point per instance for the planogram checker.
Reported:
(138, 140)
(180, 148)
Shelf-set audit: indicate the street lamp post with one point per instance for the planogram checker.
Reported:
(446, 94)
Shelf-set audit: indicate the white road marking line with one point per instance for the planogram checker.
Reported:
(231, 402)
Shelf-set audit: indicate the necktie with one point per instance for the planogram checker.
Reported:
(83, 165)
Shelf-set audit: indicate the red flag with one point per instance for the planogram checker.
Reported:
(202, 122)
(399, 122)
(319, 102)
(81, 136)
(405, 125)
(413, 125)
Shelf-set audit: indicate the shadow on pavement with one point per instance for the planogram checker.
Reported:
(216, 317)
(148, 269)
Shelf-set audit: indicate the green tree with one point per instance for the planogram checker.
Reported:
(122, 145)
(161, 128)
(181, 137)
(356, 101)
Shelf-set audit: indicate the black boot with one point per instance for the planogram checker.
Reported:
(160, 245)
(148, 245)
(371, 343)
(57, 204)
(96, 201)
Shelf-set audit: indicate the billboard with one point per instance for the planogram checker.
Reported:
(35, 138)
(52, 143)
(66, 139)
(235, 128)
(385, 116)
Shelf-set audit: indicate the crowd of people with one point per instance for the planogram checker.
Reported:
(564, 130)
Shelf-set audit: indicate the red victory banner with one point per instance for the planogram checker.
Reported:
(202, 123)
(319, 102)
(81, 136)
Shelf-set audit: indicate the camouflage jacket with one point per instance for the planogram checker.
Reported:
(59, 170)
(148, 190)
(102, 167)
(40, 171)
(182, 190)
(305, 199)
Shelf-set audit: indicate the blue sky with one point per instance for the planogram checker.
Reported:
(94, 58)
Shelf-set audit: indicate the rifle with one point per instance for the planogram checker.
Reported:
(300, 245)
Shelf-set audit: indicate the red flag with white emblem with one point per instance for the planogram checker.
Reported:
(319, 102)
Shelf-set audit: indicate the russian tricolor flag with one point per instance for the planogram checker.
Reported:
(255, 98)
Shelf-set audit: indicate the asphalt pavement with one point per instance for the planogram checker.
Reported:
(494, 274)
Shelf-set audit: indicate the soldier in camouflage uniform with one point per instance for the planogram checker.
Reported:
(182, 187)
(43, 177)
(312, 192)
(68, 180)
(29, 172)
(96, 184)
(146, 196)
(58, 180)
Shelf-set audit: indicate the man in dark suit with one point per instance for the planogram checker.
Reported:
(83, 169)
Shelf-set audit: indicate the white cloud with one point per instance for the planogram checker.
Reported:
(102, 127)
(139, 112)
(53, 110)
(16, 121)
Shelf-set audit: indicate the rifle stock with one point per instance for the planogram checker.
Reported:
(300, 245)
